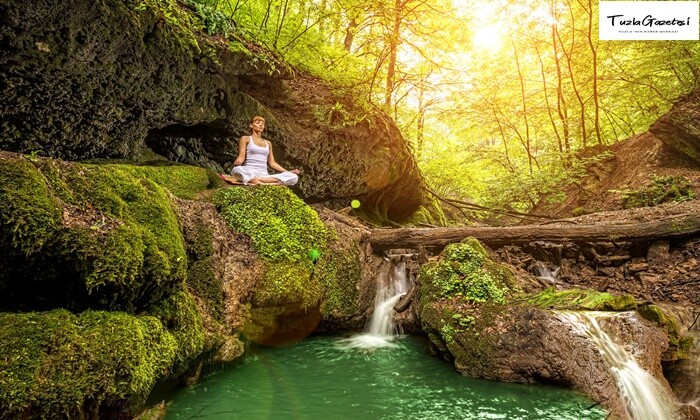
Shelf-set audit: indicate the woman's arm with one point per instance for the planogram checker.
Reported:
(242, 145)
(274, 165)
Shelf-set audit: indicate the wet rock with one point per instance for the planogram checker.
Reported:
(571, 251)
(546, 251)
(658, 253)
(690, 412)
(680, 126)
(192, 376)
(231, 349)
(611, 260)
(520, 344)
(156, 412)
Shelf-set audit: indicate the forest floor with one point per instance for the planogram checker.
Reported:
(676, 276)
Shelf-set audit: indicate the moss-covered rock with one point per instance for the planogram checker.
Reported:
(430, 213)
(465, 272)
(679, 345)
(340, 271)
(459, 296)
(93, 364)
(283, 230)
(90, 236)
(30, 215)
(592, 300)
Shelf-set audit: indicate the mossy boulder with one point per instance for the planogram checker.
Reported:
(93, 364)
(476, 317)
(284, 232)
(311, 267)
(465, 273)
(459, 294)
(84, 236)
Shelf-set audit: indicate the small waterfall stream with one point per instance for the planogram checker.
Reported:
(645, 398)
(543, 272)
(695, 401)
(381, 330)
(691, 394)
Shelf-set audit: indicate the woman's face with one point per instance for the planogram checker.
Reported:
(258, 125)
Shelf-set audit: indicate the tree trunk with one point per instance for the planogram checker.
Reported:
(350, 34)
(594, 62)
(670, 227)
(523, 102)
(561, 99)
(393, 46)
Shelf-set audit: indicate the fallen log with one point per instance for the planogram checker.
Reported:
(666, 228)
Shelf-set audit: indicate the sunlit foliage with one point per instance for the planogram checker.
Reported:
(496, 97)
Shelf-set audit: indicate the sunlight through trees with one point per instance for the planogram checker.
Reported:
(497, 97)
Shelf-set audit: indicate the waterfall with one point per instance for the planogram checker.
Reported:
(644, 396)
(543, 272)
(381, 330)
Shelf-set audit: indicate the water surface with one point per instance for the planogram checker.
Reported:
(320, 379)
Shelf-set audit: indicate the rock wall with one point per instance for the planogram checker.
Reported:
(680, 127)
(83, 80)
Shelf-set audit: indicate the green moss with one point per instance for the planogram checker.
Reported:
(281, 225)
(339, 272)
(464, 271)
(654, 314)
(104, 234)
(179, 315)
(684, 346)
(181, 27)
(205, 284)
(30, 216)
(453, 323)
(475, 245)
(181, 180)
(114, 191)
(288, 282)
(579, 211)
(661, 189)
(60, 364)
(592, 300)
(283, 229)
(201, 275)
(459, 333)
(430, 213)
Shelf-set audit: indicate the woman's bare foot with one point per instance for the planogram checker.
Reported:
(229, 179)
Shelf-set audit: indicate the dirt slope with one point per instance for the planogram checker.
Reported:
(631, 167)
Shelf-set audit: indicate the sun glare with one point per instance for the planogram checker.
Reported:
(487, 38)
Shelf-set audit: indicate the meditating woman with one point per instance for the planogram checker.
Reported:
(254, 156)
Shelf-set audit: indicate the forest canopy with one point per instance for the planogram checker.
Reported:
(498, 98)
